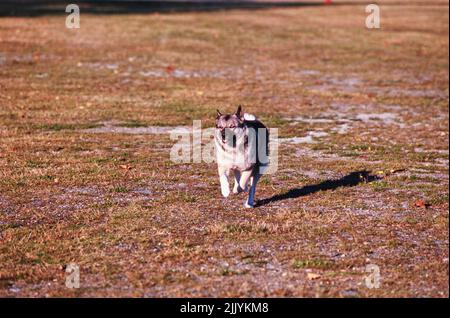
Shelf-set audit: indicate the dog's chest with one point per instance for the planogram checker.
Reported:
(232, 157)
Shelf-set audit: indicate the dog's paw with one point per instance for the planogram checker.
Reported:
(225, 192)
(248, 205)
(237, 190)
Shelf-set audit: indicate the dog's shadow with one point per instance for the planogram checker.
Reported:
(350, 180)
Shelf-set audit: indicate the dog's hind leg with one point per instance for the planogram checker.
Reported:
(237, 178)
(251, 194)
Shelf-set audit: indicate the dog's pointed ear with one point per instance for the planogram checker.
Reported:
(218, 113)
(238, 111)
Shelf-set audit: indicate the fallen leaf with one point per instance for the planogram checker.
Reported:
(312, 276)
(170, 69)
(421, 204)
(31, 256)
(397, 170)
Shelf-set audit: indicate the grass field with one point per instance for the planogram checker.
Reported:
(370, 185)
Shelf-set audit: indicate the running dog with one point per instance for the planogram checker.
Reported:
(242, 147)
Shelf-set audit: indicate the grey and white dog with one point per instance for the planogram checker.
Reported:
(242, 147)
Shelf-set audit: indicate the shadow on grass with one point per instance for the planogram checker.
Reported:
(55, 7)
(25, 8)
(350, 180)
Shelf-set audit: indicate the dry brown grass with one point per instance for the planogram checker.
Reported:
(161, 229)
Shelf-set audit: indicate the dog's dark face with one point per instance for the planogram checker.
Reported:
(230, 124)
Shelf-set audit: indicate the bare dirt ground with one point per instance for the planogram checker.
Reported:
(85, 174)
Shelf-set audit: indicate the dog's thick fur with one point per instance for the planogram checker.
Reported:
(241, 147)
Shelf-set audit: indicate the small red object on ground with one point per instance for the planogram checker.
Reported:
(170, 69)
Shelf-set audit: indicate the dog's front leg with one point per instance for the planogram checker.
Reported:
(224, 185)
